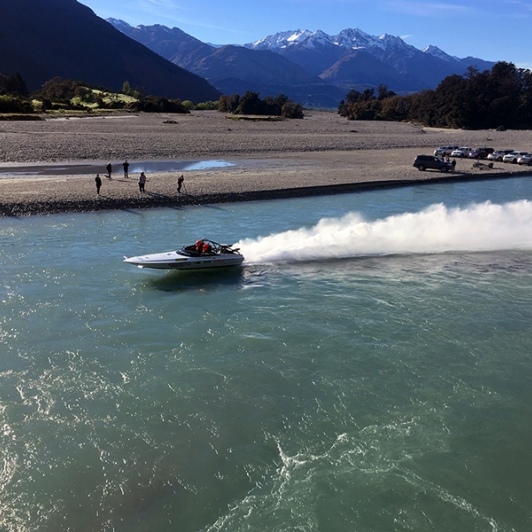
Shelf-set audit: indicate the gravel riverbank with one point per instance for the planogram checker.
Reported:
(49, 166)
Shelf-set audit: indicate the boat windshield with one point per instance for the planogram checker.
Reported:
(204, 247)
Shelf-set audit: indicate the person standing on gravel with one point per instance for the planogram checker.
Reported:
(98, 180)
(109, 169)
(180, 183)
(125, 165)
(142, 182)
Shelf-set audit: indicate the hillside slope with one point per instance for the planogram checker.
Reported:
(42, 40)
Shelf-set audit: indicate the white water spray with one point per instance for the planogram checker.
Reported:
(436, 229)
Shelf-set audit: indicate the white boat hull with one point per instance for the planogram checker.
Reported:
(187, 259)
(174, 261)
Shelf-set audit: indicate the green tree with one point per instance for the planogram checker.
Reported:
(250, 104)
(14, 85)
(126, 88)
(228, 104)
(292, 110)
(60, 89)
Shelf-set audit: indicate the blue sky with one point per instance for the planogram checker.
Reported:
(495, 31)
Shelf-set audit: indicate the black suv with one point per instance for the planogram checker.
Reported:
(481, 153)
(423, 162)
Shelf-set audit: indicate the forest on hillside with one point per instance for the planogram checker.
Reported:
(496, 98)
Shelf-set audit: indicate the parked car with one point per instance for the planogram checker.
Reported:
(481, 153)
(497, 155)
(424, 162)
(445, 150)
(525, 159)
(464, 151)
(513, 156)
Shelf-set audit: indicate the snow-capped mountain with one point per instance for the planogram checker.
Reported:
(290, 43)
(340, 56)
(311, 67)
(348, 39)
(437, 52)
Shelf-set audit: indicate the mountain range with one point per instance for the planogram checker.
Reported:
(312, 68)
(63, 38)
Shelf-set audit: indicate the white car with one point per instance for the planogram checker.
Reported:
(464, 151)
(513, 156)
(445, 150)
(497, 155)
(525, 159)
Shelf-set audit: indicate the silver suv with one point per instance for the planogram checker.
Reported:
(424, 162)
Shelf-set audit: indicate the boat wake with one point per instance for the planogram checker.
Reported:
(436, 229)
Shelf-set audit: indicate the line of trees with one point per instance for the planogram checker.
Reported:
(500, 97)
(69, 94)
(14, 94)
(251, 104)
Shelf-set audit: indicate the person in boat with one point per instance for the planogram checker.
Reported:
(206, 248)
(199, 246)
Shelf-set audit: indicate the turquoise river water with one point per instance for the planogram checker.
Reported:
(369, 368)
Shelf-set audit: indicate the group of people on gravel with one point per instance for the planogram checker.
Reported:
(109, 169)
(141, 180)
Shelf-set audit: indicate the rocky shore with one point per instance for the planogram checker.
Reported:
(49, 166)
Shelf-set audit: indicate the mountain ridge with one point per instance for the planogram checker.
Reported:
(311, 67)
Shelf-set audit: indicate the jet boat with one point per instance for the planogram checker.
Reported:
(203, 254)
